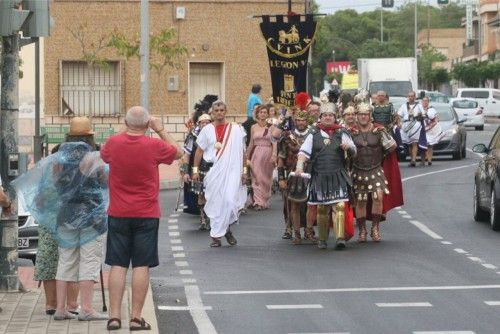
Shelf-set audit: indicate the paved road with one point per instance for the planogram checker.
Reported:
(436, 271)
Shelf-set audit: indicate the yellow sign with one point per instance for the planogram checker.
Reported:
(350, 81)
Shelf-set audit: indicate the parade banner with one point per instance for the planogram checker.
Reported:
(288, 40)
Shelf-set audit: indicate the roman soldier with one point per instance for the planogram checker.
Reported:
(294, 189)
(326, 148)
(370, 184)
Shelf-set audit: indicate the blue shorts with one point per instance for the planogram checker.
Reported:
(132, 239)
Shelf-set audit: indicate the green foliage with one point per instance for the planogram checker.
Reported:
(165, 49)
(356, 35)
(429, 56)
(437, 77)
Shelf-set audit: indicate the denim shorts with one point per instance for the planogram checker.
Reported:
(132, 240)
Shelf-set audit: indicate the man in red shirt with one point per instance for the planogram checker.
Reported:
(134, 210)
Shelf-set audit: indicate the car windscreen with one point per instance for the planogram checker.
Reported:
(475, 94)
(464, 104)
(445, 113)
(439, 98)
(392, 88)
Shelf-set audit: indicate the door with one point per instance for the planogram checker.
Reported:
(204, 79)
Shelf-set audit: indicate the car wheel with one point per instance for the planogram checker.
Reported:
(479, 214)
(480, 128)
(494, 212)
(457, 155)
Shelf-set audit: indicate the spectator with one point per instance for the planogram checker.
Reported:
(134, 210)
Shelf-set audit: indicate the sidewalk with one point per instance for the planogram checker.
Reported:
(24, 312)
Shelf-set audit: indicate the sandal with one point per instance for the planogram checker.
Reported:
(143, 325)
(111, 327)
(215, 242)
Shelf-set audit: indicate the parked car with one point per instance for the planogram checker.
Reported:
(453, 140)
(27, 242)
(486, 183)
(471, 111)
(488, 98)
(434, 96)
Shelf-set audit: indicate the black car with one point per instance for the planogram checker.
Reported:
(487, 184)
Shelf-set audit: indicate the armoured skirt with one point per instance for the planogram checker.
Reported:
(329, 188)
(368, 182)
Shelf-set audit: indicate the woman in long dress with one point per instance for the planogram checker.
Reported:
(262, 159)
(433, 129)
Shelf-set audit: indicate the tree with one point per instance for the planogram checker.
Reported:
(165, 49)
(438, 77)
(428, 57)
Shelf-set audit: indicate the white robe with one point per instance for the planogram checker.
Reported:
(224, 193)
(434, 133)
(410, 132)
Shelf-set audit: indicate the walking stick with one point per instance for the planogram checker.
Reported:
(104, 307)
(181, 187)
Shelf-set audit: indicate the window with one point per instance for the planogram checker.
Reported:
(496, 95)
(78, 97)
(465, 104)
(475, 94)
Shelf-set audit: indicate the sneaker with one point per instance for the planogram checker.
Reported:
(92, 316)
(322, 244)
(64, 316)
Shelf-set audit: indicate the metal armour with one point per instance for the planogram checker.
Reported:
(370, 152)
(383, 114)
(329, 159)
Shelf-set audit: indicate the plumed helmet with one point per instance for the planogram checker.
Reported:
(327, 108)
(364, 108)
(302, 100)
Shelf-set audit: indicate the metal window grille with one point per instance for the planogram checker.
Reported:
(80, 98)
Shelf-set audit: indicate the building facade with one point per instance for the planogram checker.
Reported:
(226, 55)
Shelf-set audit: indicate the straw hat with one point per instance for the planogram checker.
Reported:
(80, 126)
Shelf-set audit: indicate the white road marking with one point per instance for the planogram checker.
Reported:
(475, 259)
(402, 288)
(498, 272)
(438, 171)
(174, 215)
(177, 248)
(424, 304)
(172, 221)
(173, 234)
(446, 243)
(402, 212)
(293, 307)
(181, 264)
(444, 332)
(183, 308)
(173, 227)
(188, 280)
(460, 251)
(180, 210)
(186, 272)
(426, 230)
(175, 241)
(323, 333)
(489, 266)
(179, 255)
(199, 315)
(492, 303)
(406, 216)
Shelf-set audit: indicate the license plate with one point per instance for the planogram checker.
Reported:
(23, 243)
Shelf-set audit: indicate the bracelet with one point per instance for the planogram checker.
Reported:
(195, 170)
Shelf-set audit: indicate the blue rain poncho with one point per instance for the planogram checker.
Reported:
(67, 192)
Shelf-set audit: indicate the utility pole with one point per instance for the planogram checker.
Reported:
(415, 32)
(381, 25)
(144, 53)
(8, 144)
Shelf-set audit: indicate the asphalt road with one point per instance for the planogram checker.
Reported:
(436, 270)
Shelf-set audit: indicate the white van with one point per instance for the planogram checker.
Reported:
(488, 98)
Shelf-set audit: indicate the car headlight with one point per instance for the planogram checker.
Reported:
(450, 132)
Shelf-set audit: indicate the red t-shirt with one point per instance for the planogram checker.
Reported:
(133, 174)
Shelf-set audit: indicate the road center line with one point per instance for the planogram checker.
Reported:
(492, 303)
(424, 304)
(402, 288)
(293, 307)
(426, 230)
(183, 308)
(460, 251)
(199, 315)
(438, 171)
(444, 332)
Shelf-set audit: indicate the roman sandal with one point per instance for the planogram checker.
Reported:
(143, 325)
(114, 324)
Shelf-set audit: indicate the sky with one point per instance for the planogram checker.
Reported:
(330, 6)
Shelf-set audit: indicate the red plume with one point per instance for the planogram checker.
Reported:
(302, 99)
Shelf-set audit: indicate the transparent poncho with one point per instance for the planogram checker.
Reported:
(67, 192)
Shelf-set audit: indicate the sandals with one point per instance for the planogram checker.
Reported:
(231, 240)
(111, 327)
(215, 242)
(143, 325)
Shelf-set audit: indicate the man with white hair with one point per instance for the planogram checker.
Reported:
(134, 209)
(326, 148)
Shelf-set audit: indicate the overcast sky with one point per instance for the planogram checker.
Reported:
(330, 6)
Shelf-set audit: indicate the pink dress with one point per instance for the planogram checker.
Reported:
(262, 167)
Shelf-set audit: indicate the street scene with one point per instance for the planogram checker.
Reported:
(274, 166)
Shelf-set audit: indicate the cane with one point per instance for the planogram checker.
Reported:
(181, 188)
(104, 307)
